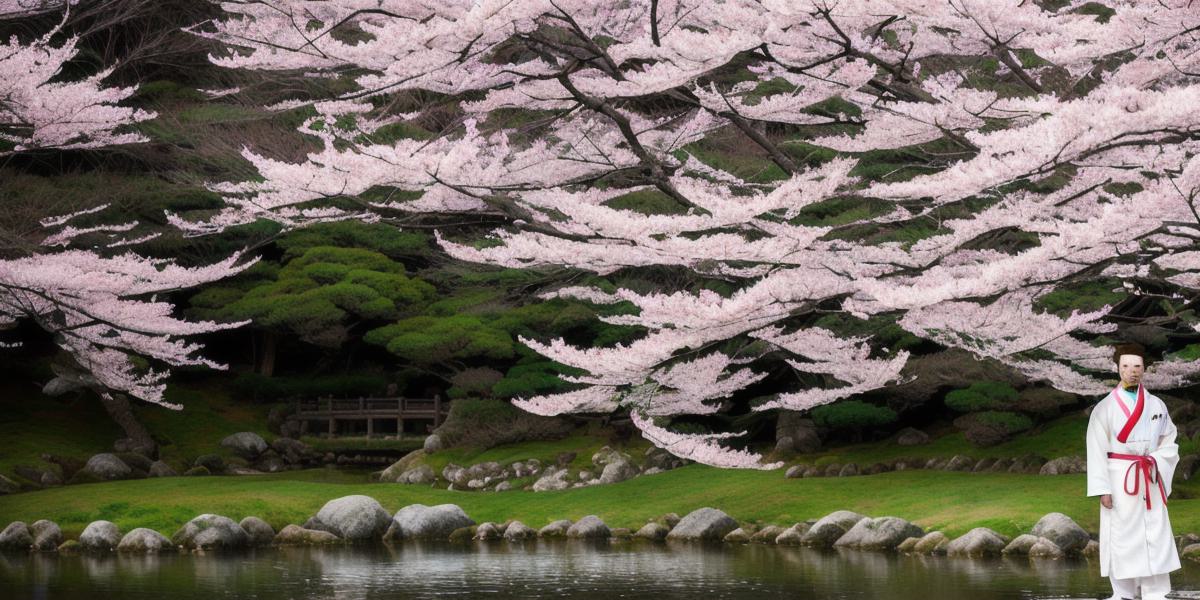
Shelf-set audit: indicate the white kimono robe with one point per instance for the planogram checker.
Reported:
(1135, 541)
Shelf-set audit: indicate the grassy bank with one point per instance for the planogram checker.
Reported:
(952, 502)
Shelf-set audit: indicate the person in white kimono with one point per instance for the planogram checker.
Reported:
(1131, 458)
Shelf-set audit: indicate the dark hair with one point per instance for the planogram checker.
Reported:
(1134, 349)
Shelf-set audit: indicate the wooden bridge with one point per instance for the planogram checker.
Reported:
(333, 410)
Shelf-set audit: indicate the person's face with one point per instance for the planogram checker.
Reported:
(1130, 368)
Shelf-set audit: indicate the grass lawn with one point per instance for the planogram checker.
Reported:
(952, 502)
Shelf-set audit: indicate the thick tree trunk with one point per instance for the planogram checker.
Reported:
(266, 367)
(119, 409)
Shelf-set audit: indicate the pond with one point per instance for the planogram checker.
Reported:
(554, 570)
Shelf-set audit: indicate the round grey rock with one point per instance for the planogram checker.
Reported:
(552, 481)
(980, 541)
(912, 437)
(652, 531)
(1020, 545)
(555, 529)
(16, 537)
(830, 528)
(883, 533)
(418, 521)
(210, 532)
(934, 542)
(161, 469)
(518, 531)
(703, 524)
(107, 466)
(353, 518)
(618, 470)
(589, 527)
(767, 534)
(433, 443)
(1063, 531)
(46, 535)
(246, 444)
(1064, 465)
(100, 536)
(259, 531)
(792, 536)
(146, 541)
(295, 535)
(1045, 548)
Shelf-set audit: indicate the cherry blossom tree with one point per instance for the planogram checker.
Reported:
(1038, 147)
(100, 302)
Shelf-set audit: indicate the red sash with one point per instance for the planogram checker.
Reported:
(1131, 417)
(1144, 468)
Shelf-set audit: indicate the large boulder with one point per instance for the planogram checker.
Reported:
(653, 531)
(883, 533)
(209, 532)
(295, 535)
(589, 527)
(245, 444)
(260, 532)
(980, 541)
(703, 524)
(1065, 465)
(433, 443)
(16, 537)
(1063, 531)
(106, 467)
(100, 536)
(1191, 552)
(352, 518)
(417, 521)
(555, 529)
(46, 536)
(830, 528)
(145, 541)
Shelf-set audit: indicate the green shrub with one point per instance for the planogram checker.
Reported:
(1008, 421)
(852, 415)
(981, 396)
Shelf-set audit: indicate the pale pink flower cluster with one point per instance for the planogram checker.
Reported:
(624, 93)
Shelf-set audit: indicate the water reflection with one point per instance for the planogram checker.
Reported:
(552, 569)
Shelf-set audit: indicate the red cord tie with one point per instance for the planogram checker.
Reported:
(1142, 468)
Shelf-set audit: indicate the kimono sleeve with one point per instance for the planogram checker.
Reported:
(1166, 455)
(1098, 445)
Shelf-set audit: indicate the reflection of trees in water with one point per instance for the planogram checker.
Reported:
(589, 570)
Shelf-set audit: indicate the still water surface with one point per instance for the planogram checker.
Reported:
(554, 570)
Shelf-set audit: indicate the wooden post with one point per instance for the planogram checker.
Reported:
(333, 423)
(370, 427)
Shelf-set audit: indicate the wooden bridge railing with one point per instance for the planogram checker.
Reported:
(370, 409)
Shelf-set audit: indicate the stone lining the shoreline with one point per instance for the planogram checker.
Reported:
(1053, 537)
